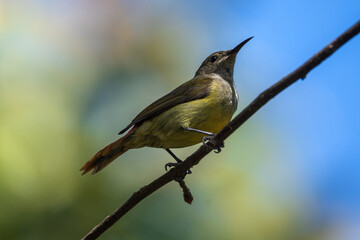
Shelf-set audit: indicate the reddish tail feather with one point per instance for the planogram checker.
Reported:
(104, 157)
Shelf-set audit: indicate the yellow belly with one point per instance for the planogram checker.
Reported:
(211, 119)
(209, 114)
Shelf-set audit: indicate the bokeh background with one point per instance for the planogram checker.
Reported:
(74, 73)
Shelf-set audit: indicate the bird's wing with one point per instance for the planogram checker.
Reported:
(196, 88)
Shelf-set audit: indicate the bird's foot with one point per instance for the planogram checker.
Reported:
(172, 164)
(217, 149)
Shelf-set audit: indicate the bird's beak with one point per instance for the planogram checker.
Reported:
(236, 49)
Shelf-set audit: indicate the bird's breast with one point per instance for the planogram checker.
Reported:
(210, 114)
(219, 106)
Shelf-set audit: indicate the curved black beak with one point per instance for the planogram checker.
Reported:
(236, 49)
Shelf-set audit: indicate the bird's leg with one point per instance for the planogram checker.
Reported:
(205, 140)
(173, 155)
(199, 131)
(171, 164)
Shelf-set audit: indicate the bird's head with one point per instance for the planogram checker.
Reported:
(221, 63)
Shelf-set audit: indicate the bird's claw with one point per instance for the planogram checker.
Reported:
(172, 164)
(216, 149)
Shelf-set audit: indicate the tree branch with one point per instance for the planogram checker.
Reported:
(251, 109)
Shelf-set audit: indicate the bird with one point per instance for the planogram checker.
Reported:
(188, 115)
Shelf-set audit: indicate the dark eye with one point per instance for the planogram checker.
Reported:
(213, 59)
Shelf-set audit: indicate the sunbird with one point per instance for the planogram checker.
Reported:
(188, 115)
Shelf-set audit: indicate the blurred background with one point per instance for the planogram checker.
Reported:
(74, 73)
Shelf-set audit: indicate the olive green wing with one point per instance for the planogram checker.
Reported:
(194, 89)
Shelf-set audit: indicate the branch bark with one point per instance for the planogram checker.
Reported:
(241, 118)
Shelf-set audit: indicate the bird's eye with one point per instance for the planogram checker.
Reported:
(213, 59)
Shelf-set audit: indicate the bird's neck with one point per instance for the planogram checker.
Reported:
(229, 79)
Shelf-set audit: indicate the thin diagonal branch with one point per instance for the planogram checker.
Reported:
(251, 109)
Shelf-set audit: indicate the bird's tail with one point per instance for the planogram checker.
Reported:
(105, 156)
